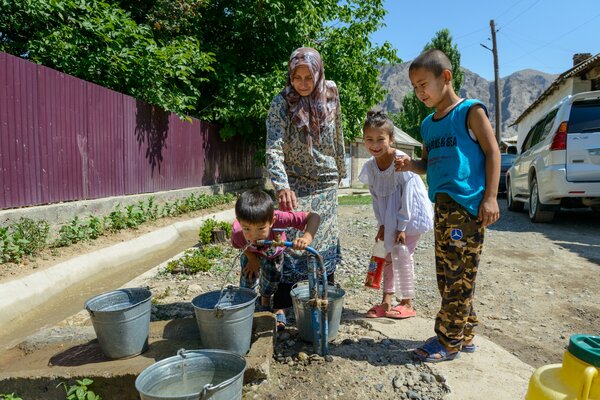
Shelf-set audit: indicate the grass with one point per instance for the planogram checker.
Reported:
(354, 200)
(354, 281)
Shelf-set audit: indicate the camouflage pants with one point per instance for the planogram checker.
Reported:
(458, 244)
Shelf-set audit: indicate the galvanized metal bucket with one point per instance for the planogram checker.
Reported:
(302, 310)
(121, 320)
(193, 375)
(225, 319)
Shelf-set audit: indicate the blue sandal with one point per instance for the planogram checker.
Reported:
(433, 347)
(469, 348)
(281, 321)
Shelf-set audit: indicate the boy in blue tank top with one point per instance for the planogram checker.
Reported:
(462, 161)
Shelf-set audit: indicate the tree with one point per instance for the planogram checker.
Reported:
(443, 41)
(99, 42)
(252, 41)
(413, 111)
(221, 60)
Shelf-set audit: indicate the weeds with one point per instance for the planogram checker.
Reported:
(80, 390)
(134, 217)
(156, 298)
(25, 237)
(195, 260)
(116, 220)
(205, 233)
(149, 209)
(77, 231)
(191, 262)
(10, 396)
(34, 232)
(95, 227)
(354, 281)
(28, 237)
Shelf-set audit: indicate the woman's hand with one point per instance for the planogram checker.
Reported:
(287, 200)
(380, 233)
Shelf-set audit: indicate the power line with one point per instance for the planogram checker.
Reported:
(485, 28)
(471, 33)
(508, 9)
(521, 13)
(519, 45)
(550, 43)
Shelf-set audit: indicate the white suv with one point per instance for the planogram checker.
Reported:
(559, 161)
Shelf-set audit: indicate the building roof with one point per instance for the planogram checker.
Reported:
(402, 137)
(578, 69)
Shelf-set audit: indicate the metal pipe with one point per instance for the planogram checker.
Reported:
(318, 297)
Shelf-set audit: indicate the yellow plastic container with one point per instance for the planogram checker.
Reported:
(577, 378)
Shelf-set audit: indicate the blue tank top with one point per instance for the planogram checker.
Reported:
(455, 160)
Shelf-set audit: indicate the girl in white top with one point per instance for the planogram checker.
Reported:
(402, 208)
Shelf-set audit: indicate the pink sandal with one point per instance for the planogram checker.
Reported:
(400, 312)
(377, 311)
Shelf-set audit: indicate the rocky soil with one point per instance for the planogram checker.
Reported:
(537, 285)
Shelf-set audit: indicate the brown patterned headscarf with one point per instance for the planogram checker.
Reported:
(310, 113)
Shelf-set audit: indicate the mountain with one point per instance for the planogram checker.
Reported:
(519, 90)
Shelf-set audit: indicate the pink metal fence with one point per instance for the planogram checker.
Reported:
(63, 139)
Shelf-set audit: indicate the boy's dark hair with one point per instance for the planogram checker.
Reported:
(433, 60)
(254, 206)
(379, 119)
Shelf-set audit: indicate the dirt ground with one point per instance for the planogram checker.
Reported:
(537, 285)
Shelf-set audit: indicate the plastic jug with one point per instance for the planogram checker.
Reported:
(375, 270)
(403, 272)
(577, 378)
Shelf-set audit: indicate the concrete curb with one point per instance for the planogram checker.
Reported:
(489, 373)
(22, 295)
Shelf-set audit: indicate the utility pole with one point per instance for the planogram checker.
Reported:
(494, 51)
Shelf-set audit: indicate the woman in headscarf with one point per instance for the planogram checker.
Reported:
(305, 161)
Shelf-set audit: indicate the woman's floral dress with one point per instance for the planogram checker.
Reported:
(314, 177)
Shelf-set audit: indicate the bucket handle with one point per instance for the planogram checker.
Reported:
(305, 283)
(208, 390)
(218, 310)
(589, 374)
(295, 285)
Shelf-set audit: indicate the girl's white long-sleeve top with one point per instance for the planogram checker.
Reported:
(400, 200)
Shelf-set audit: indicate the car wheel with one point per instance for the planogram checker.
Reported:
(513, 205)
(535, 207)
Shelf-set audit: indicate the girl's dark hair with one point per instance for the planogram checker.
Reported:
(380, 120)
(433, 60)
(254, 206)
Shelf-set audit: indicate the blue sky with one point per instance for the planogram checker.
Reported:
(536, 34)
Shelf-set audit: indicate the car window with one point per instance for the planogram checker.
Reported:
(527, 142)
(548, 122)
(585, 117)
(541, 129)
(533, 135)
